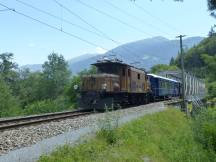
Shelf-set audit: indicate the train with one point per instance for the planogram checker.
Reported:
(118, 84)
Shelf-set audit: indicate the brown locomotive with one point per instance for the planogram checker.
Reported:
(114, 84)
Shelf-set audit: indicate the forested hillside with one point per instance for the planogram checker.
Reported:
(201, 61)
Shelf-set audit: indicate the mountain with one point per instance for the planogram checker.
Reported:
(82, 57)
(148, 52)
(32, 67)
(38, 67)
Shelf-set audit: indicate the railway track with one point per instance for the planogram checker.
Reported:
(173, 102)
(37, 119)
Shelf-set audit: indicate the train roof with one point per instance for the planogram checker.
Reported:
(115, 61)
(157, 76)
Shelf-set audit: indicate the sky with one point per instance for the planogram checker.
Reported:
(31, 42)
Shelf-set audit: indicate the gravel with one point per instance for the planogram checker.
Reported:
(26, 136)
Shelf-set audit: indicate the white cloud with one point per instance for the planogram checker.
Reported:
(100, 50)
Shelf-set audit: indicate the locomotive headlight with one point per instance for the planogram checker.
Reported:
(76, 87)
(104, 86)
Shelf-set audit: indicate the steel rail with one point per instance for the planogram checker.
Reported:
(31, 120)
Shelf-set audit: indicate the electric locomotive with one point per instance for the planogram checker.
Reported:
(115, 84)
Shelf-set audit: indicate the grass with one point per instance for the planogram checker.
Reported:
(161, 137)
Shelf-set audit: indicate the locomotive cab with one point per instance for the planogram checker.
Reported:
(97, 89)
(115, 83)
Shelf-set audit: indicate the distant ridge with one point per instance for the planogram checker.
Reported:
(150, 51)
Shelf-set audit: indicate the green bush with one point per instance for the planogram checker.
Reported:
(204, 126)
(47, 106)
(8, 104)
(212, 90)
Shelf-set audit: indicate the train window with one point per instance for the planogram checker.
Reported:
(123, 71)
(129, 72)
(138, 76)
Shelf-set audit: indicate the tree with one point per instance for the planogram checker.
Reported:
(162, 67)
(210, 62)
(30, 87)
(212, 31)
(8, 103)
(194, 60)
(91, 70)
(212, 7)
(172, 61)
(7, 66)
(212, 90)
(76, 81)
(55, 76)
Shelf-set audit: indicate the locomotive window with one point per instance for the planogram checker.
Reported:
(108, 69)
(138, 76)
(123, 71)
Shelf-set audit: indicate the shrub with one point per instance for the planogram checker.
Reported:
(47, 106)
(8, 104)
(204, 126)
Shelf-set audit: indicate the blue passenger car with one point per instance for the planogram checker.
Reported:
(162, 87)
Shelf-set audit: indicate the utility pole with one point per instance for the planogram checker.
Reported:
(184, 104)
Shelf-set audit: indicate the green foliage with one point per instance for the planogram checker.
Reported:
(71, 92)
(196, 59)
(38, 92)
(212, 90)
(55, 76)
(6, 64)
(8, 103)
(162, 67)
(172, 61)
(212, 7)
(212, 31)
(91, 70)
(201, 61)
(7, 71)
(161, 137)
(47, 106)
(210, 62)
(76, 80)
(30, 87)
(204, 126)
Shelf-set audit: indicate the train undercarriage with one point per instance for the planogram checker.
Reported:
(101, 101)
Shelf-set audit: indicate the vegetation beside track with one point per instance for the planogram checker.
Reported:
(23, 92)
(164, 136)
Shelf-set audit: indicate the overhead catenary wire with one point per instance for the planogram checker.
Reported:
(79, 17)
(67, 21)
(4, 10)
(117, 19)
(52, 27)
(59, 18)
(113, 17)
(89, 24)
(155, 17)
(56, 28)
(138, 19)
